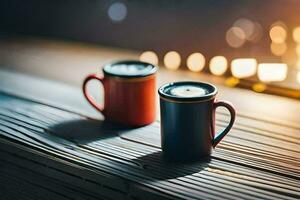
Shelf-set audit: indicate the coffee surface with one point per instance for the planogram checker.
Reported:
(187, 91)
(129, 69)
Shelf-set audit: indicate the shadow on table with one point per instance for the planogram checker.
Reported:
(157, 167)
(85, 131)
(152, 165)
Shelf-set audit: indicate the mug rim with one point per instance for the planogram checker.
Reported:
(208, 96)
(145, 74)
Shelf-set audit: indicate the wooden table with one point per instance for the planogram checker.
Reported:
(55, 146)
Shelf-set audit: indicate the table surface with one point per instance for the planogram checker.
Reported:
(54, 143)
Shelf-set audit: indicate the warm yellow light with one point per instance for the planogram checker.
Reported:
(277, 34)
(278, 49)
(149, 57)
(232, 81)
(259, 87)
(296, 34)
(243, 67)
(172, 60)
(218, 65)
(269, 72)
(195, 62)
(235, 37)
(298, 76)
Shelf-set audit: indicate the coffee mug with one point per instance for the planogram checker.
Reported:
(188, 120)
(129, 92)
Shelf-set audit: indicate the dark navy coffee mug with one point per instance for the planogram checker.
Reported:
(188, 120)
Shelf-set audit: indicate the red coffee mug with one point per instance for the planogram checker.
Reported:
(129, 92)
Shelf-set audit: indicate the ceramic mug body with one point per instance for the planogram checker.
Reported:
(186, 129)
(128, 98)
(130, 101)
(188, 124)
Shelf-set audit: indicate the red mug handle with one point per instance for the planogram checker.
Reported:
(89, 98)
(231, 110)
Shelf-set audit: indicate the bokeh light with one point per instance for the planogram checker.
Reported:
(232, 81)
(270, 72)
(278, 49)
(218, 65)
(278, 34)
(259, 87)
(149, 57)
(172, 60)
(246, 25)
(195, 62)
(257, 33)
(117, 11)
(243, 67)
(235, 37)
(296, 34)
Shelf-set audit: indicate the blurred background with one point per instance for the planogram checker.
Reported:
(251, 44)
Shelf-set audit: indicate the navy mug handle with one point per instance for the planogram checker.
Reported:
(231, 110)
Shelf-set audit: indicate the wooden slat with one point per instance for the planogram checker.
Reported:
(251, 162)
(38, 183)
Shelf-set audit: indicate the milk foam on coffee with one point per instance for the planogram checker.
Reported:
(130, 69)
(188, 91)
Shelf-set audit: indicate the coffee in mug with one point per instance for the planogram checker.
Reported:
(129, 92)
(188, 120)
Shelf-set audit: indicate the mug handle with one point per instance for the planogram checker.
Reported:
(231, 110)
(89, 98)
